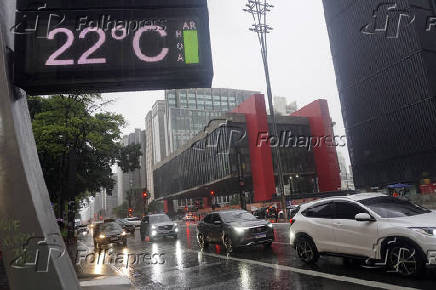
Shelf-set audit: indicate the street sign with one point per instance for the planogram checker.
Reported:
(88, 46)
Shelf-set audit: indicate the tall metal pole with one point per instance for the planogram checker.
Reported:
(259, 9)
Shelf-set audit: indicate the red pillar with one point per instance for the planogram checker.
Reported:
(166, 206)
(326, 159)
(206, 202)
(169, 207)
(254, 110)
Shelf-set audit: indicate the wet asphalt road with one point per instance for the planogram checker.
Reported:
(179, 264)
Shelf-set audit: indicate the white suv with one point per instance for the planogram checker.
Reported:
(379, 229)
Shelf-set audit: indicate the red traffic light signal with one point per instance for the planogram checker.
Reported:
(130, 209)
(212, 193)
(144, 195)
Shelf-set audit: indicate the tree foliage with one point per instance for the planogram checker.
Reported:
(77, 144)
(128, 158)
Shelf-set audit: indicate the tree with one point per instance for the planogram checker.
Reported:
(129, 160)
(129, 157)
(77, 144)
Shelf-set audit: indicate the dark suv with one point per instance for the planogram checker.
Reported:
(128, 227)
(109, 233)
(234, 228)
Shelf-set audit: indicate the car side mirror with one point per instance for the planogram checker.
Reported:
(217, 222)
(364, 217)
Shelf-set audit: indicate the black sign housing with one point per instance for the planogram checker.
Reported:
(106, 46)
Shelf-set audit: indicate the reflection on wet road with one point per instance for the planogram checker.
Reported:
(179, 264)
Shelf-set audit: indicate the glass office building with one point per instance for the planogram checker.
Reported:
(189, 111)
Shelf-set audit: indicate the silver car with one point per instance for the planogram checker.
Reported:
(158, 225)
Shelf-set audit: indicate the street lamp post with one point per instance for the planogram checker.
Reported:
(259, 9)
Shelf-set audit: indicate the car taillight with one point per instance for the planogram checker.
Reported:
(291, 221)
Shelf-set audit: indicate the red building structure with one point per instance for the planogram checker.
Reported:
(324, 173)
(326, 159)
(254, 110)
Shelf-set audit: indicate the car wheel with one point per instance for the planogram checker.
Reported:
(202, 241)
(306, 250)
(405, 259)
(228, 243)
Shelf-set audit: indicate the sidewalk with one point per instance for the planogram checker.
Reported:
(98, 277)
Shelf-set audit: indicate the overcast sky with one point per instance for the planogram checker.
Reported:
(300, 61)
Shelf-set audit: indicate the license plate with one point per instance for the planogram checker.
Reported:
(114, 239)
(260, 236)
(164, 232)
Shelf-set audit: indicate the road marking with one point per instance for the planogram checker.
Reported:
(281, 243)
(358, 281)
(106, 281)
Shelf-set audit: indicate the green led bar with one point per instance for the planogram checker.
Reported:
(190, 38)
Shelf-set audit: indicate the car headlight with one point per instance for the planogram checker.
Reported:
(239, 230)
(176, 230)
(153, 233)
(153, 227)
(123, 233)
(425, 231)
(102, 236)
(270, 225)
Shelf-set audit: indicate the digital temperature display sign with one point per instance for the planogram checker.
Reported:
(118, 46)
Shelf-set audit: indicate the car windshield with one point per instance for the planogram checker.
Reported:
(390, 207)
(108, 227)
(159, 219)
(237, 216)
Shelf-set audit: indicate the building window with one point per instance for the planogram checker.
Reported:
(217, 103)
(200, 102)
(183, 99)
(191, 101)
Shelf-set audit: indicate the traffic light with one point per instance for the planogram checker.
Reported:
(130, 210)
(144, 195)
(212, 193)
